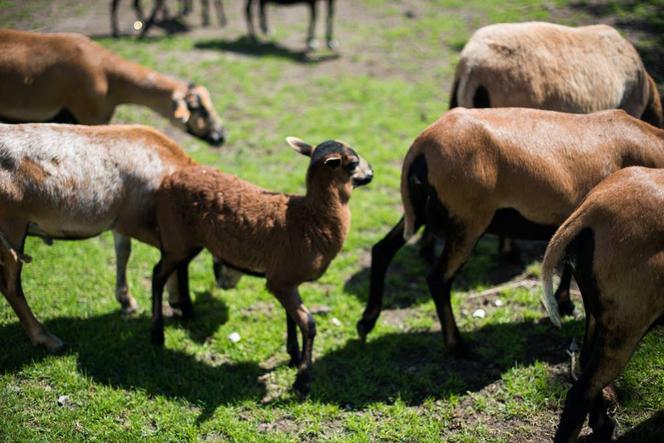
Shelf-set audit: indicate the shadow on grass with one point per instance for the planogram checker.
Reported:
(650, 430)
(117, 352)
(405, 282)
(248, 46)
(414, 366)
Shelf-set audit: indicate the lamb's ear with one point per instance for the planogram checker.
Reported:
(180, 109)
(333, 162)
(300, 146)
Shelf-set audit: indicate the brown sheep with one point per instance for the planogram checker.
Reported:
(616, 240)
(288, 239)
(501, 171)
(74, 182)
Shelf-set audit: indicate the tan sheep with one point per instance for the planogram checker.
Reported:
(559, 68)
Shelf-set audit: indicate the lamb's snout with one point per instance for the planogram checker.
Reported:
(363, 174)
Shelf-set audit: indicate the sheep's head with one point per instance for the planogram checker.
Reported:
(194, 111)
(334, 161)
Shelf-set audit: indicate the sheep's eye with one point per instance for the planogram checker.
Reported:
(350, 167)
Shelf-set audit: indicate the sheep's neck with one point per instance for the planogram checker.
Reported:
(136, 84)
(328, 206)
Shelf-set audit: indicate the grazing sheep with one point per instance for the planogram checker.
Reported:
(288, 239)
(559, 68)
(68, 78)
(507, 171)
(74, 182)
(548, 66)
(616, 240)
(313, 9)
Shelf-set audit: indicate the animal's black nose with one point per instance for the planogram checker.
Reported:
(217, 138)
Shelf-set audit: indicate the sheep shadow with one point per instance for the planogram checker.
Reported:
(405, 282)
(413, 367)
(650, 430)
(116, 352)
(247, 46)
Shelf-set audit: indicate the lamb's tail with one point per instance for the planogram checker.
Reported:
(653, 113)
(555, 252)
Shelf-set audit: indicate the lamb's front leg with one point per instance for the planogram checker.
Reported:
(122, 252)
(292, 345)
(290, 299)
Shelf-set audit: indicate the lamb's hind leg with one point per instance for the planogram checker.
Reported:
(291, 342)
(311, 37)
(14, 237)
(331, 42)
(122, 252)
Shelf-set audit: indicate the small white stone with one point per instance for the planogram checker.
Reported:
(335, 321)
(138, 25)
(63, 400)
(234, 337)
(498, 302)
(479, 313)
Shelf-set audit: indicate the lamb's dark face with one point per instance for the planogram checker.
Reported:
(338, 159)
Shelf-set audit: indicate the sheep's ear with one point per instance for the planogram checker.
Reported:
(180, 108)
(333, 162)
(300, 146)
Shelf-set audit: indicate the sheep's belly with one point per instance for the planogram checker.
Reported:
(68, 228)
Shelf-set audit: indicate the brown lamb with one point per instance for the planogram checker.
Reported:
(288, 239)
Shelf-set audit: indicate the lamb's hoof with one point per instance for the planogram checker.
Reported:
(461, 350)
(312, 44)
(364, 326)
(157, 336)
(185, 312)
(605, 433)
(566, 308)
(428, 252)
(52, 343)
(332, 45)
(302, 384)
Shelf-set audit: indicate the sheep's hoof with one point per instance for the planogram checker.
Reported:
(566, 308)
(185, 312)
(312, 44)
(157, 336)
(129, 307)
(428, 252)
(332, 45)
(52, 343)
(364, 326)
(302, 384)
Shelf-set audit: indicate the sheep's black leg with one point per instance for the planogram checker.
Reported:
(292, 345)
(138, 10)
(427, 245)
(611, 353)
(441, 288)
(184, 303)
(158, 5)
(262, 11)
(311, 39)
(114, 18)
(249, 16)
(160, 274)
(381, 256)
(205, 12)
(331, 43)
(565, 305)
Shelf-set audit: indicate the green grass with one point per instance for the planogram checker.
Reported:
(391, 81)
